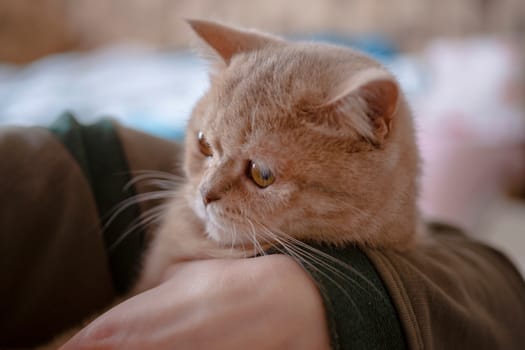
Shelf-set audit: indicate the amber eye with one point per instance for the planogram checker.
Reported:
(204, 146)
(262, 177)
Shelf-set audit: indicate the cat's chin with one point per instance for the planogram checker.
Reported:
(221, 236)
(240, 243)
(215, 228)
(217, 234)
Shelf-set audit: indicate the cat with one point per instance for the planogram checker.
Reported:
(292, 142)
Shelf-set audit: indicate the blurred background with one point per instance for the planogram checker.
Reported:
(461, 64)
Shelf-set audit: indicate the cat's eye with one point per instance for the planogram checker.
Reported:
(204, 146)
(262, 177)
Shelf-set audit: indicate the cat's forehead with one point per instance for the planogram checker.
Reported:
(251, 125)
(281, 78)
(258, 96)
(261, 89)
(245, 98)
(274, 77)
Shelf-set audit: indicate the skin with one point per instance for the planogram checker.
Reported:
(217, 304)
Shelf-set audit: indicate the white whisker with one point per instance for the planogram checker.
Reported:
(149, 175)
(319, 257)
(148, 217)
(296, 253)
(233, 237)
(142, 197)
(256, 242)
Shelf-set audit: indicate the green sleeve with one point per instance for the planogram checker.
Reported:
(100, 155)
(359, 310)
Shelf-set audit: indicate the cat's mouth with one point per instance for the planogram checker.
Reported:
(230, 229)
(235, 232)
(225, 231)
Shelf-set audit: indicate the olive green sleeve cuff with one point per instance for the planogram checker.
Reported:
(359, 310)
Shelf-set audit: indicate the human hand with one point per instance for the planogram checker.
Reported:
(261, 303)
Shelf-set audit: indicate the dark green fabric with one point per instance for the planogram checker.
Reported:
(359, 310)
(99, 153)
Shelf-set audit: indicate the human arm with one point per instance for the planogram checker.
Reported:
(262, 303)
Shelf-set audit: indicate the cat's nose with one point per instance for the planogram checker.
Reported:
(209, 196)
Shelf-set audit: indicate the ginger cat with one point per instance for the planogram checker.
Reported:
(292, 142)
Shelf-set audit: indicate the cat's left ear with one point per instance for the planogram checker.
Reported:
(367, 102)
(228, 41)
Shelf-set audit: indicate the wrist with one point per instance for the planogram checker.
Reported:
(292, 295)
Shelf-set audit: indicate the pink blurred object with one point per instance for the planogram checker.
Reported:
(471, 127)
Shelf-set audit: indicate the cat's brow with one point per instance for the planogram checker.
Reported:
(323, 188)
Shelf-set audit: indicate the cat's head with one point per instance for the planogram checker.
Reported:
(304, 140)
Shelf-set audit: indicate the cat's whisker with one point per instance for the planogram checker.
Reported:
(323, 261)
(321, 258)
(253, 237)
(296, 253)
(319, 255)
(148, 175)
(260, 247)
(148, 217)
(163, 184)
(242, 245)
(142, 197)
(233, 235)
(157, 174)
(282, 239)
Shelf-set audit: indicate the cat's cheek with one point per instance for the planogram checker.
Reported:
(198, 207)
(213, 232)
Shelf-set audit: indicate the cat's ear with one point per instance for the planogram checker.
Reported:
(367, 102)
(227, 41)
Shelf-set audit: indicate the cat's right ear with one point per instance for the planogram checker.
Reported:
(225, 41)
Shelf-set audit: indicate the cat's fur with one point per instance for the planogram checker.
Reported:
(330, 123)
